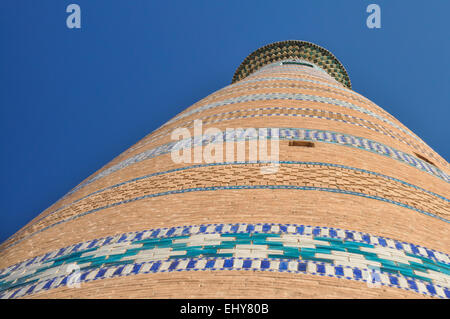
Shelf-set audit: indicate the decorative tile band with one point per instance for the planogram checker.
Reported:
(267, 247)
(288, 50)
(287, 71)
(274, 76)
(277, 77)
(297, 64)
(283, 69)
(405, 193)
(284, 134)
(284, 75)
(277, 111)
(290, 82)
(357, 97)
(290, 96)
(297, 69)
(335, 89)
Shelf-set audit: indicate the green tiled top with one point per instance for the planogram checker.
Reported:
(278, 51)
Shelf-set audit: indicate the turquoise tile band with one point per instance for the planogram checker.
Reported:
(264, 247)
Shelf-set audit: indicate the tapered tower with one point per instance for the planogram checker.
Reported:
(350, 203)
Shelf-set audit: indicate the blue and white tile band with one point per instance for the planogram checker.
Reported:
(310, 68)
(284, 75)
(295, 69)
(298, 71)
(289, 96)
(287, 78)
(278, 68)
(219, 118)
(284, 134)
(295, 79)
(216, 247)
(356, 95)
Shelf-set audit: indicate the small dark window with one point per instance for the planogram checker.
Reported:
(423, 158)
(301, 143)
(298, 63)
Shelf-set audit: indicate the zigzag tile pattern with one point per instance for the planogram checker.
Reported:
(293, 49)
(257, 247)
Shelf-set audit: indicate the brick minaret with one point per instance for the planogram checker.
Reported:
(357, 208)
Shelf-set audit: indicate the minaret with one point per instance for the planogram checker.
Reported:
(348, 202)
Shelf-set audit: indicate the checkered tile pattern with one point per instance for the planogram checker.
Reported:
(290, 96)
(264, 247)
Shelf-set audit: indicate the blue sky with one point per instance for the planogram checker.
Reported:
(71, 100)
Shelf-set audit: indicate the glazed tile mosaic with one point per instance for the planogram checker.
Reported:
(293, 49)
(257, 247)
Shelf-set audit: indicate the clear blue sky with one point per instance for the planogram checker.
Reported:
(71, 100)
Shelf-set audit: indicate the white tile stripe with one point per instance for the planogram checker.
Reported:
(195, 229)
(354, 260)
